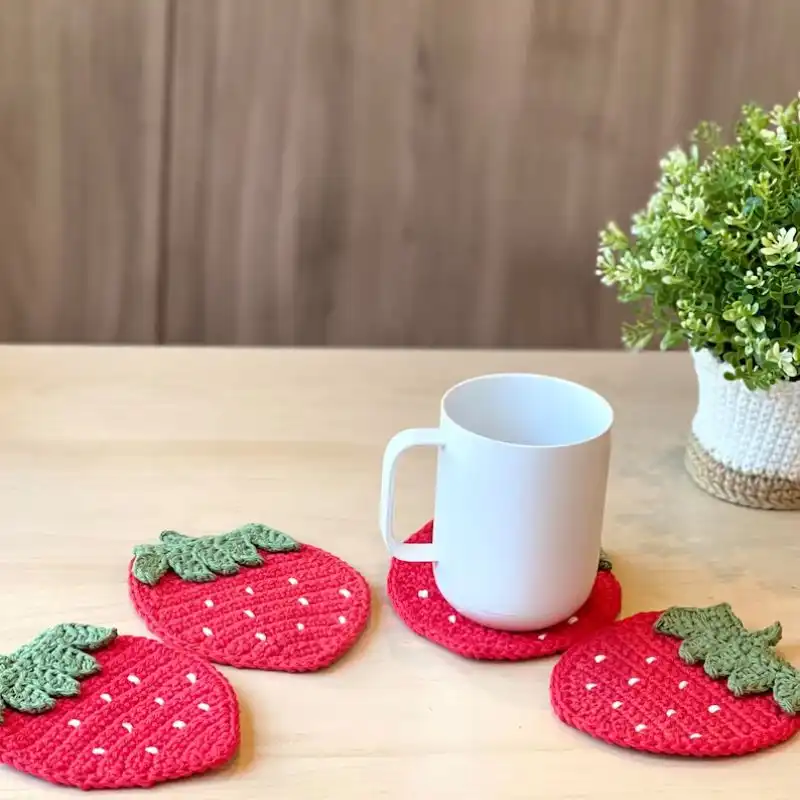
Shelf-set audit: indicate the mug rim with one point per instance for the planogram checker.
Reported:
(492, 376)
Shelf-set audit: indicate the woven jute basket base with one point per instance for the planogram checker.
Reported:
(741, 488)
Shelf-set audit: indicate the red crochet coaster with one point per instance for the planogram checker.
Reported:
(627, 685)
(296, 609)
(147, 714)
(413, 593)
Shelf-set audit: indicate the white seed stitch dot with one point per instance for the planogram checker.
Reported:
(423, 593)
(204, 706)
(572, 620)
(302, 601)
(541, 637)
(683, 684)
(695, 736)
(713, 709)
(262, 637)
(152, 750)
(616, 704)
(98, 751)
(191, 677)
(128, 727)
(179, 724)
(209, 604)
(650, 659)
(106, 697)
(345, 593)
(208, 632)
(249, 613)
(590, 686)
(300, 626)
(293, 581)
(640, 727)
(599, 658)
(671, 712)
(74, 723)
(134, 680)
(633, 681)
(452, 618)
(249, 590)
(159, 701)
(342, 620)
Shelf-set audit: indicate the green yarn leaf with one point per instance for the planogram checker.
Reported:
(754, 678)
(59, 650)
(269, 539)
(723, 661)
(150, 563)
(64, 658)
(186, 561)
(769, 636)
(787, 689)
(86, 637)
(202, 559)
(35, 675)
(27, 697)
(55, 683)
(173, 537)
(217, 557)
(685, 622)
(242, 550)
(716, 637)
(605, 562)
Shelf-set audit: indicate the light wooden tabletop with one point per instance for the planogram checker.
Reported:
(103, 448)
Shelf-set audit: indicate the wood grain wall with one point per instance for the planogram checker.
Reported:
(348, 172)
(82, 87)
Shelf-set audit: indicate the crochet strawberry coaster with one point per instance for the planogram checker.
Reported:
(413, 594)
(253, 598)
(132, 714)
(688, 681)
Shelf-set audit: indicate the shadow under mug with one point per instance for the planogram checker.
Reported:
(521, 480)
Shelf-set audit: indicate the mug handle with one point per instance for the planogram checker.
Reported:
(398, 444)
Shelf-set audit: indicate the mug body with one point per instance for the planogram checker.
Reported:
(520, 494)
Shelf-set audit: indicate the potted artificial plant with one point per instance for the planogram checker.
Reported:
(713, 261)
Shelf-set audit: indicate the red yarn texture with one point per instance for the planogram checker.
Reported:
(627, 685)
(150, 715)
(413, 593)
(299, 612)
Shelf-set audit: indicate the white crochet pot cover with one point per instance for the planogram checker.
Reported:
(751, 432)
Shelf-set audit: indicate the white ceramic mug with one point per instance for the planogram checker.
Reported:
(520, 494)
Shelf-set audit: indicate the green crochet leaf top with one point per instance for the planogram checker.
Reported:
(203, 558)
(50, 666)
(716, 637)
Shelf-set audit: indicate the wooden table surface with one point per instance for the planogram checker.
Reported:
(103, 448)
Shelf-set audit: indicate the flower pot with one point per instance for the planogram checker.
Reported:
(745, 445)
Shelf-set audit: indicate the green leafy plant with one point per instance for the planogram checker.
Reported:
(713, 258)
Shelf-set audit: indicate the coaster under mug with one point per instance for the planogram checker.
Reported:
(522, 468)
(419, 604)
